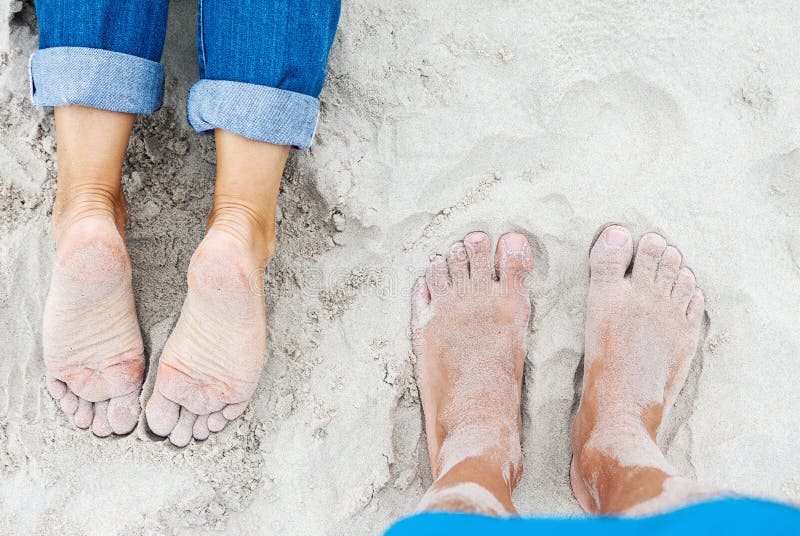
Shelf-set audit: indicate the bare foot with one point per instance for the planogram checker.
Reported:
(469, 333)
(211, 362)
(642, 332)
(92, 345)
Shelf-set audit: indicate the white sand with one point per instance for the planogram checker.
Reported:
(439, 117)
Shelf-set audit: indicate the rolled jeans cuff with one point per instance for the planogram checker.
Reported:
(96, 78)
(261, 113)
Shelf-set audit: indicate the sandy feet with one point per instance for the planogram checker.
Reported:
(642, 332)
(469, 331)
(211, 362)
(92, 345)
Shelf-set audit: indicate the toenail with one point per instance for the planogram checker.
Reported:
(616, 238)
(514, 243)
(474, 238)
(458, 251)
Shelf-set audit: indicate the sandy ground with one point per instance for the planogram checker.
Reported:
(439, 117)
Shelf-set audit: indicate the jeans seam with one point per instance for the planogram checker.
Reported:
(201, 38)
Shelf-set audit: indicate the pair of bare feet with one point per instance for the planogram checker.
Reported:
(469, 330)
(93, 351)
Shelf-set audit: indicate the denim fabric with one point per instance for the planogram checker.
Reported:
(729, 517)
(72, 75)
(262, 62)
(131, 27)
(241, 107)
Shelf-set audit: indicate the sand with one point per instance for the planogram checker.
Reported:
(551, 118)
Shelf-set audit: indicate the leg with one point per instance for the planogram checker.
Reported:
(91, 147)
(259, 96)
(642, 332)
(92, 345)
(469, 332)
(464, 323)
(246, 193)
(204, 381)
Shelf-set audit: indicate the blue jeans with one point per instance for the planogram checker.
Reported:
(729, 517)
(262, 62)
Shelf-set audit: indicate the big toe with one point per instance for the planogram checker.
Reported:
(513, 259)
(123, 412)
(162, 414)
(611, 254)
(479, 248)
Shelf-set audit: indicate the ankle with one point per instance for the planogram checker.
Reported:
(251, 228)
(78, 202)
(618, 462)
(489, 485)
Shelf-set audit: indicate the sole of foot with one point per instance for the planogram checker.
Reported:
(211, 363)
(469, 330)
(92, 345)
(642, 332)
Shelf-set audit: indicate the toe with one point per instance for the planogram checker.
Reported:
(648, 255)
(513, 259)
(458, 265)
(100, 426)
(684, 287)
(232, 411)
(436, 277)
(479, 249)
(161, 413)
(216, 421)
(420, 300)
(69, 403)
(696, 308)
(182, 433)
(200, 428)
(668, 269)
(84, 414)
(56, 388)
(611, 254)
(123, 412)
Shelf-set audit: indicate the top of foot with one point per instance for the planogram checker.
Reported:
(469, 332)
(642, 332)
(92, 345)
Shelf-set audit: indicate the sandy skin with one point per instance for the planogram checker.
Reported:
(469, 331)
(93, 351)
(469, 327)
(642, 332)
(212, 360)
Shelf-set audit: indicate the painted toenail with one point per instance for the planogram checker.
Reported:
(616, 238)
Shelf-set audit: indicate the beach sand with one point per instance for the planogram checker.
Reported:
(438, 118)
